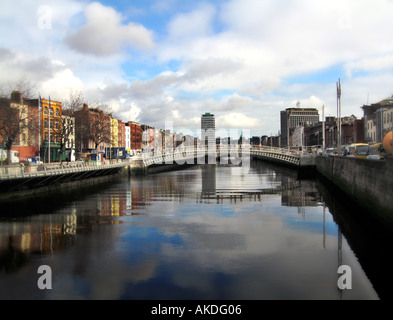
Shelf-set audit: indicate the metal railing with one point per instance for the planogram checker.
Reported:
(150, 157)
(179, 155)
(277, 153)
(40, 170)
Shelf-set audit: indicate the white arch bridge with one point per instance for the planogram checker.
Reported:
(228, 155)
(14, 178)
(231, 154)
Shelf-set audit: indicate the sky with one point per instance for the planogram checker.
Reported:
(166, 62)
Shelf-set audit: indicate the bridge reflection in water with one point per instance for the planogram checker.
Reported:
(196, 233)
(15, 178)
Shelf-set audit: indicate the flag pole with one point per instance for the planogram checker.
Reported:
(39, 126)
(49, 133)
(323, 128)
(338, 116)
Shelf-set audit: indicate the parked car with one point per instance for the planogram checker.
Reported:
(36, 160)
(374, 157)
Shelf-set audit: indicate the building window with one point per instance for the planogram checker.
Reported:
(46, 111)
(57, 113)
(32, 140)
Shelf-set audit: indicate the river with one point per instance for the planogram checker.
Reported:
(204, 232)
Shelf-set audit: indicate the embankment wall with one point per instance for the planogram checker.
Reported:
(368, 182)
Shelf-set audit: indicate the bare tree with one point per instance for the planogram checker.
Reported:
(93, 124)
(100, 125)
(25, 86)
(14, 115)
(66, 128)
(13, 121)
(22, 84)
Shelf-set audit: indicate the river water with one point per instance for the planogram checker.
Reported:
(204, 232)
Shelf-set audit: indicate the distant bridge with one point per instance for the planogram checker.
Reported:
(189, 154)
(14, 178)
(277, 154)
(178, 156)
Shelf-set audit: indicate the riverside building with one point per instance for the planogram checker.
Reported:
(295, 117)
(208, 129)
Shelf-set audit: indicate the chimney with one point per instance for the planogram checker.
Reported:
(16, 97)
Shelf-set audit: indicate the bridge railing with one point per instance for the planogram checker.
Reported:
(15, 172)
(178, 155)
(275, 150)
(283, 155)
(150, 157)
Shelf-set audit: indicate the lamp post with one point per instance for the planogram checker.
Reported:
(49, 131)
(339, 116)
(323, 128)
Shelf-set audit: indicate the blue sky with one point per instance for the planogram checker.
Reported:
(172, 60)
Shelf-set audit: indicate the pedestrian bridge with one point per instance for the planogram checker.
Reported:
(13, 178)
(189, 155)
(178, 156)
(277, 154)
(186, 155)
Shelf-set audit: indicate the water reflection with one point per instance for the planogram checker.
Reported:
(203, 233)
(369, 238)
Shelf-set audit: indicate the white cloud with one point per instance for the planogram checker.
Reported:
(188, 26)
(369, 64)
(125, 110)
(36, 27)
(104, 34)
(236, 120)
(311, 102)
(239, 58)
(272, 41)
(61, 84)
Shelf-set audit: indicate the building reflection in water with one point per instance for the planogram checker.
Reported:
(45, 234)
(208, 181)
(41, 235)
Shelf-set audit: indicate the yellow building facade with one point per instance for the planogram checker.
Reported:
(114, 133)
(51, 112)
